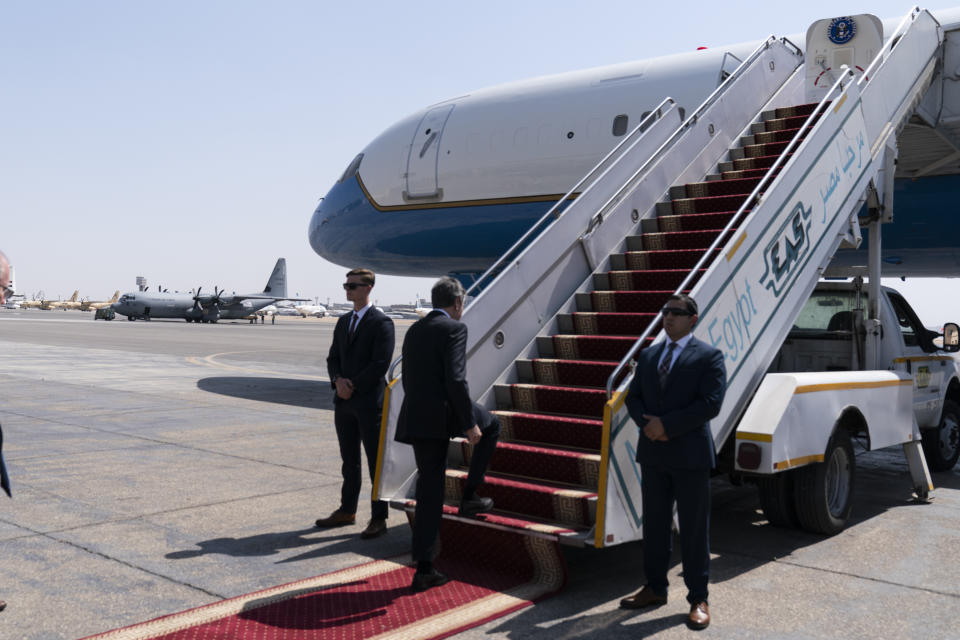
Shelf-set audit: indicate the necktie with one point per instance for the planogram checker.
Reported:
(665, 364)
(353, 324)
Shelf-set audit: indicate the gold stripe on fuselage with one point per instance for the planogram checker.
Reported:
(460, 203)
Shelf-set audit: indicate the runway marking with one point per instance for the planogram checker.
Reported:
(211, 361)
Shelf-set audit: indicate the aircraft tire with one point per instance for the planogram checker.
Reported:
(823, 491)
(131, 318)
(776, 499)
(941, 445)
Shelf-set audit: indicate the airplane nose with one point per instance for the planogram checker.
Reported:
(336, 222)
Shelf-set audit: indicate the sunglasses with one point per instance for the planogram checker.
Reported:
(676, 311)
(353, 285)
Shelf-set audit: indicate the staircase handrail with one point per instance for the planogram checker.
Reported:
(736, 219)
(539, 227)
(595, 173)
(687, 124)
(889, 44)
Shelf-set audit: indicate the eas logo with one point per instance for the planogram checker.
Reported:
(787, 249)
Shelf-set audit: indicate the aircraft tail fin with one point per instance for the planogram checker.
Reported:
(277, 284)
(73, 298)
(116, 296)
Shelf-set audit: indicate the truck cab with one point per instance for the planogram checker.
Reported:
(831, 334)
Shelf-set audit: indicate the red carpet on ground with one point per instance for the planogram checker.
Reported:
(491, 572)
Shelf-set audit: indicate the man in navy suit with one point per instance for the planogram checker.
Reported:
(436, 407)
(677, 388)
(359, 357)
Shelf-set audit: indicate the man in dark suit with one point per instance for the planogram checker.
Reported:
(437, 407)
(357, 363)
(677, 388)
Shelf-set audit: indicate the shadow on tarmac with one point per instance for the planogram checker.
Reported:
(300, 393)
(741, 539)
(262, 544)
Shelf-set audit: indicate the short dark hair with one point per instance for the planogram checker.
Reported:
(688, 301)
(366, 276)
(445, 292)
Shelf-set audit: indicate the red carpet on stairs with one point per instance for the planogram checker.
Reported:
(492, 573)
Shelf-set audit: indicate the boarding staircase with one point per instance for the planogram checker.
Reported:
(742, 204)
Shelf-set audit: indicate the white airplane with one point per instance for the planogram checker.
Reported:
(449, 188)
(315, 310)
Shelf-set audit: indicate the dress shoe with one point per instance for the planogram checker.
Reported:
(699, 617)
(336, 519)
(3, 605)
(375, 528)
(423, 581)
(475, 505)
(646, 597)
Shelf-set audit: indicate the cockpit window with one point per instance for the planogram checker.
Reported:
(352, 169)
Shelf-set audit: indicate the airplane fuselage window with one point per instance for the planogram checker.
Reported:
(620, 124)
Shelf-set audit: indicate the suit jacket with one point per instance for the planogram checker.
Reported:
(363, 360)
(436, 402)
(691, 396)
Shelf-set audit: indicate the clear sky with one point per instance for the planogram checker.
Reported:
(189, 142)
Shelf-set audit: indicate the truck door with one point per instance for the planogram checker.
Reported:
(424, 155)
(925, 367)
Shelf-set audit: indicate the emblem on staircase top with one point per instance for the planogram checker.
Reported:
(842, 30)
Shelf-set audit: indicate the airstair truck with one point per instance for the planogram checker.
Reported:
(742, 203)
(844, 373)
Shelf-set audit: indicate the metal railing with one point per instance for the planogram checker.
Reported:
(554, 213)
(892, 42)
(734, 221)
(490, 276)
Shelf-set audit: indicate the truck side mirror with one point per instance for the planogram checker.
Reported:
(951, 337)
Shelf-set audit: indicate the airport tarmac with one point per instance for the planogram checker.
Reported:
(162, 466)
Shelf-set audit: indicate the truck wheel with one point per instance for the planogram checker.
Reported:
(776, 499)
(823, 492)
(941, 446)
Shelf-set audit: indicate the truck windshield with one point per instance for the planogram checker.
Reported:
(829, 311)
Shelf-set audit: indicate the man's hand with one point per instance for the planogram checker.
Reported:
(344, 388)
(654, 429)
(473, 434)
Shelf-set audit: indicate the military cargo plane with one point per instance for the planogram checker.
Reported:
(204, 307)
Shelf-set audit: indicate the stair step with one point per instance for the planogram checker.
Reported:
(761, 150)
(632, 301)
(670, 240)
(762, 162)
(710, 204)
(715, 188)
(789, 112)
(568, 401)
(593, 347)
(661, 259)
(503, 521)
(558, 504)
(694, 221)
(749, 173)
(648, 279)
(610, 324)
(783, 135)
(543, 463)
(580, 433)
(781, 124)
(574, 373)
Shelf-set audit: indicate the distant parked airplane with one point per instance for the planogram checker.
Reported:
(202, 307)
(87, 305)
